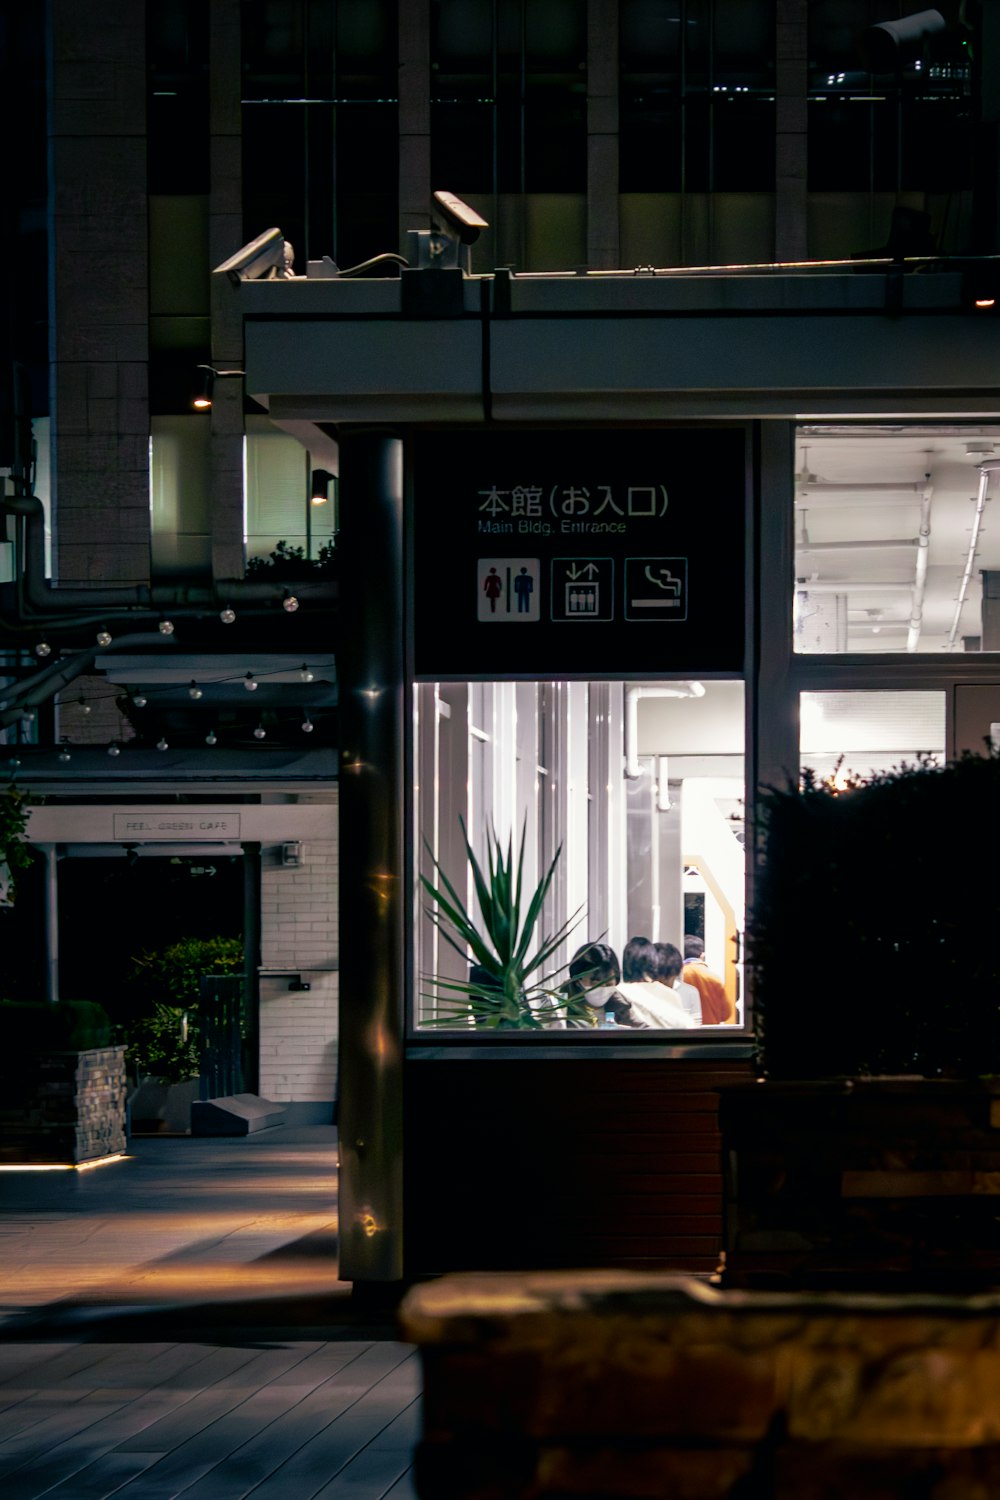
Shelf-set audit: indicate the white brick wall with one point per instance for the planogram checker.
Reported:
(298, 1029)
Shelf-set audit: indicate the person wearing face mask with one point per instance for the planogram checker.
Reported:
(594, 975)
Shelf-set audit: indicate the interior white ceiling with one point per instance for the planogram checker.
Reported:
(863, 498)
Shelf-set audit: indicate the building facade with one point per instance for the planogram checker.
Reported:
(658, 466)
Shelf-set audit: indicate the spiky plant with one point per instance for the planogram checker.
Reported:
(508, 988)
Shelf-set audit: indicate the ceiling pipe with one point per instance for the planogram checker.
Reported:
(920, 578)
(902, 541)
(39, 601)
(985, 471)
(633, 693)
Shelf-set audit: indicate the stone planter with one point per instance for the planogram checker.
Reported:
(869, 1183)
(643, 1385)
(62, 1107)
(162, 1108)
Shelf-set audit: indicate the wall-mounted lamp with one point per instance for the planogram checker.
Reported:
(201, 399)
(319, 487)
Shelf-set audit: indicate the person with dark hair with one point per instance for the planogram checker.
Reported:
(650, 1002)
(669, 973)
(716, 1006)
(594, 975)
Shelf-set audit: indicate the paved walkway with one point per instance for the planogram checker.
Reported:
(172, 1325)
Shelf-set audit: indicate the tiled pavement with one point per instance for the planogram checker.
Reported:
(172, 1325)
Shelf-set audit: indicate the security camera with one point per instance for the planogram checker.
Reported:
(459, 219)
(889, 44)
(268, 256)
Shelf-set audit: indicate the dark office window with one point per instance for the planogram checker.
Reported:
(23, 208)
(696, 95)
(320, 126)
(508, 96)
(177, 96)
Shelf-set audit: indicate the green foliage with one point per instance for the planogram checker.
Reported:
(510, 990)
(36, 1026)
(873, 935)
(286, 563)
(163, 1035)
(15, 854)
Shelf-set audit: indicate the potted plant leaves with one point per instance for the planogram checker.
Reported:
(509, 986)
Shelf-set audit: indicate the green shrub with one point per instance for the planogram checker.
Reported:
(34, 1026)
(164, 1039)
(873, 936)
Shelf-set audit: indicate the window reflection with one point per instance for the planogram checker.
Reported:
(621, 806)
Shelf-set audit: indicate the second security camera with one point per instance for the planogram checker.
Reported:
(459, 219)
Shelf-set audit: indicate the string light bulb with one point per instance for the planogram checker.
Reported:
(83, 705)
(227, 615)
(64, 753)
(138, 700)
(211, 738)
(306, 674)
(161, 744)
(289, 603)
(104, 637)
(114, 749)
(250, 683)
(260, 732)
(307, 725)
(166, 627)
(43, 649)
(194, 691)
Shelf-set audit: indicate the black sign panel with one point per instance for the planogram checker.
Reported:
(550, 553)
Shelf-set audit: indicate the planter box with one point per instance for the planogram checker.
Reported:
(64, 1107)
(872, 1183)
(640, 1386)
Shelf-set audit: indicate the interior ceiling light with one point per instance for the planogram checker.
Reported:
(319, 488)
(104, 637)
(194, 691)
(227, 615)
(166, 627)
(250, 683)
(289, 603)
(43, 649)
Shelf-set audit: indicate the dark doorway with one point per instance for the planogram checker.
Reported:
(111, 909)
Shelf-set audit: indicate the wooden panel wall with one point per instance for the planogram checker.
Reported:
(517, 1163)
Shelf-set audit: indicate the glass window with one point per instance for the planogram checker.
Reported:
(278, 503)
(621, 805)
(853, 734)
(892, 550)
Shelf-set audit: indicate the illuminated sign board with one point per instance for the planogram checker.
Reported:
(595, 552)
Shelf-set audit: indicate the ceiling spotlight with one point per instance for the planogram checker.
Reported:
(250, 683)
(104, 637)
(210, 738)
(43, 649)
(64, 753)
(194, 691)
(260, 732)
(319, 488)
(227, 615)
(113, 749)
(161, 744)
(138, 701)
(166, 627)
(306, 674)
(83, 705)
(289, 603)
(307, 725)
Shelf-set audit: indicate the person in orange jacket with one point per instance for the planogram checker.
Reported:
(716, 1005)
